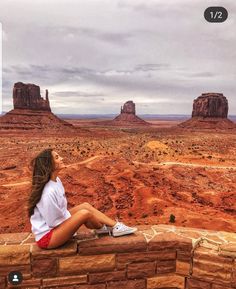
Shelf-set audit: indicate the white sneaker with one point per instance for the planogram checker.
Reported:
(104, 230)
(121, 229)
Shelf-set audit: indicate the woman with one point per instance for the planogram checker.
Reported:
(52, 224)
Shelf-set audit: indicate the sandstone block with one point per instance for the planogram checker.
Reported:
(24, 269)
(215, 286)
(197, 284)
(141, 270)
(81, 286)
(26, 284)
(127, 284)
(212, 271)
(15, 238)
(87, 286)
(65, 280)
(68, 249)
(106, 276)
(166, 281)
(228, 250)
(208, 244)
(14, 255)
(83, 264)
(44, 267)
(103, 245)
(61, 287)
(170, 240)
(166, 266)
(184, 256)
(211, 256)
(182, 268)
(127, 258)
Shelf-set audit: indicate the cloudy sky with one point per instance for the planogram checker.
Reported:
(93, 56)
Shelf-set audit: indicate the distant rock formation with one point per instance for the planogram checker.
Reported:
(31, 111)
(210, 105)
(127, 115)
(27, 96)
(210, 111)
(128, 107)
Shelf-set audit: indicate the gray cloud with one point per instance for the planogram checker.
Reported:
(77, 94)
(94, 55)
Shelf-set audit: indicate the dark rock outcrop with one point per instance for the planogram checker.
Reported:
(128, 107)
(31, 111)
(210, 111)
(127, 115)
(210, 105)
(27, 96)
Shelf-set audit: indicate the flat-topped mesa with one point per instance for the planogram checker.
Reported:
(210, 105)
(128, 107)
(27, 96)
(210, 111)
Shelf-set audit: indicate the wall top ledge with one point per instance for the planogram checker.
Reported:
(147, 238)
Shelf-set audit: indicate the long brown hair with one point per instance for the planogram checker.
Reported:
(43, 166)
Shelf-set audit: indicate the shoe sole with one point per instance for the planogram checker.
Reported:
(124, 233)
(101, 232)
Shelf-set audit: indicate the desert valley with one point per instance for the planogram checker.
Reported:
(139, 170)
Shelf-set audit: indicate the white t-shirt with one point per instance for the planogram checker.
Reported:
(51, 210)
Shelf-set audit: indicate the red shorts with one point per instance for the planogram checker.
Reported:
(44, 241)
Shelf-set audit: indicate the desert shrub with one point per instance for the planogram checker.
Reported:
(172, 218)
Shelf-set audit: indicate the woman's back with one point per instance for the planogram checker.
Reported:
(51, 210)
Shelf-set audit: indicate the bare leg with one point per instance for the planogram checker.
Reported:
(66, 229)
(93, 225)
(99, 215)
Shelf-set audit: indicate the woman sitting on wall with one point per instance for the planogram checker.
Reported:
(52, 223)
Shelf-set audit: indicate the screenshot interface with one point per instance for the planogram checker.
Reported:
(117, 144)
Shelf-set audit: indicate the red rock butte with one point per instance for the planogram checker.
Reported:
(210, 110)
(128, 116)
(27, 96)
(31, 111)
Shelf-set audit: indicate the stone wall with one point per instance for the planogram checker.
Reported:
(157, 256)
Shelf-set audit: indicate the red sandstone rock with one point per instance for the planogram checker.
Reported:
(210, 105)
(210, 111)
(31, 111)
(44, 267)
(128, 107)
(95, 278)
(27, 96)
(127, 115)
(143, 269)
(195, 284)
(26, 119)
